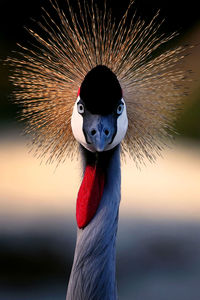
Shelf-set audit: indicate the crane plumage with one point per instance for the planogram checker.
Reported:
(129, 92)
(48, 77)
(93, 271)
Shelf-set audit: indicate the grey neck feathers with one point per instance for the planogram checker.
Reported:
(93, 272)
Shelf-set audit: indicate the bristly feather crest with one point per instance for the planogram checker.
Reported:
(47, 79)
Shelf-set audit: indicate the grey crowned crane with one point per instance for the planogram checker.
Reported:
(100, 88)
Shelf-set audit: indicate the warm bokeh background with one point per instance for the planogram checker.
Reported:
(158, 248)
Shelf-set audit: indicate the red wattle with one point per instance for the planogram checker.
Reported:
(89, 195)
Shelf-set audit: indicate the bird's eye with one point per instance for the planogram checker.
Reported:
(120, 109)
(80, 108)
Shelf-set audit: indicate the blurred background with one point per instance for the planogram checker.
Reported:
(158, 246)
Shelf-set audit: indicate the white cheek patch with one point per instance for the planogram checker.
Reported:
(77, 127)
(122, 125)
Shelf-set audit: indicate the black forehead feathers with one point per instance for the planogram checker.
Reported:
(100, 90)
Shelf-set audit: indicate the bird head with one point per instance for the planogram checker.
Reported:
(101, 60)
(99, 120)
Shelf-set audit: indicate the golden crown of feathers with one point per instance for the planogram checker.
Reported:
(47, 78)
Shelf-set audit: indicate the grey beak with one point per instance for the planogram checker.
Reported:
(99, 131)
(100, 136)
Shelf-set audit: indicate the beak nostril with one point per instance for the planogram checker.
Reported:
(93, 132)
(106, 131)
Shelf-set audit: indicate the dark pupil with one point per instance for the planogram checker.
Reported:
(119, 108)
(80, 107)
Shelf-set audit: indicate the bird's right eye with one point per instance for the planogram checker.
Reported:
(80, 108)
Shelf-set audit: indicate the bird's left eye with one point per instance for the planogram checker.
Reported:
(80, 108)
(120, 109)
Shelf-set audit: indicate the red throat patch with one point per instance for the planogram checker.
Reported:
(89, 195)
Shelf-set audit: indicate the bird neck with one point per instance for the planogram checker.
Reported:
(93, 271)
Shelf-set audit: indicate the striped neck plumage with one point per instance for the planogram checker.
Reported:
(93, 271)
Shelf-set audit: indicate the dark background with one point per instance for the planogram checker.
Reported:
(35, 261)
